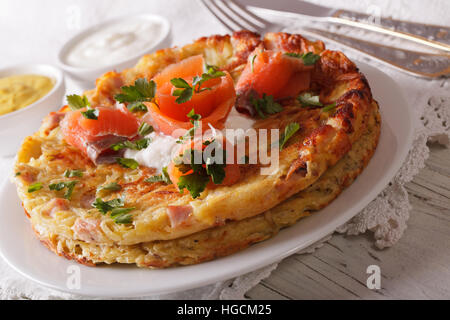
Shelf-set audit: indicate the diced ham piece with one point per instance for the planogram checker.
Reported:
(55, 205)
(178, 215)
(87, 199)
(87, 230)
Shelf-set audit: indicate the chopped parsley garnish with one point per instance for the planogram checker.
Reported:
(163, 177)
(308, 99)
(134, 145)
(34, 187)
(329, 107)
(91, 114)
(73, 173)
(216, 172)
(201, 173)
(145, 129)
(308, 58)
(70, 185)
(119, 214)
(212, 73)
(105, 206)
(127, 163)
(113, 186)
(265, 105)
(252, 62)
(137, 106)
(142, 91)
(76, 102)
(185, 91)
(193, 116)
(17, 174)
(194, 183)
(288, 133)
(195, 120)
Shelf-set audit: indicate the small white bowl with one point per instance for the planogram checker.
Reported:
(16, 125)
(89, 74)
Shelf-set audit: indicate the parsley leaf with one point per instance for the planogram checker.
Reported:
(127, 163)
(115, 206)
(121, 216)
(134, 145)
(120, 211)
(329, 107)
(123, 219)
(265, 105)
(70, 185)
(163, 177)
(91, 114)
(308, 99)
(34, 187)
(216, 171)
(105, 206)
(194, 116)
(142, 91)
(185, 91)
(76, 102)
(212, 73)
(308, 58)
(198, 175)
(145, 129)
(293, 54)
(137, 106)
(113, 186)
(190, 133)
(288, 133)
(194, 183)
(17, 174)
(73, 173)
(57, 186)
(252, 62)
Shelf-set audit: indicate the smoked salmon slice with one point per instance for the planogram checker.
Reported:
(213, 101)
(94, 137)
(272, 73)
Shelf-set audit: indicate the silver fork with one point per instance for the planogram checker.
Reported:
(236, 17)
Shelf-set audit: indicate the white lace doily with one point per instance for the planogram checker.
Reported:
(385, 217)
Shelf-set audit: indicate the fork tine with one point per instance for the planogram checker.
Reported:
(229, 15)
(242, 15)
(207, 5)
(262, 22)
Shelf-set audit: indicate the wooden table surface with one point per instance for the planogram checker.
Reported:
(417, 267)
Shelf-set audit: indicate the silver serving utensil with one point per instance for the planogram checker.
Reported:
(236, 17)
(434, 36)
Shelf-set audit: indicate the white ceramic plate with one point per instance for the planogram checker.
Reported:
(23, 252)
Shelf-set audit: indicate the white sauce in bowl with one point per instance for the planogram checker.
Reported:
(114, 42)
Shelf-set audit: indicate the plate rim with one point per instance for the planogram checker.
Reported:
(324, 229)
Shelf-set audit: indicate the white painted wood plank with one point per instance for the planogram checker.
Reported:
(417, 267)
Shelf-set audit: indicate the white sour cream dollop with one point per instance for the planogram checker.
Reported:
(162, 148)
(158, 153)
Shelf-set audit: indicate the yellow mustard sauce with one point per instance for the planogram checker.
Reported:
(19, 91)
